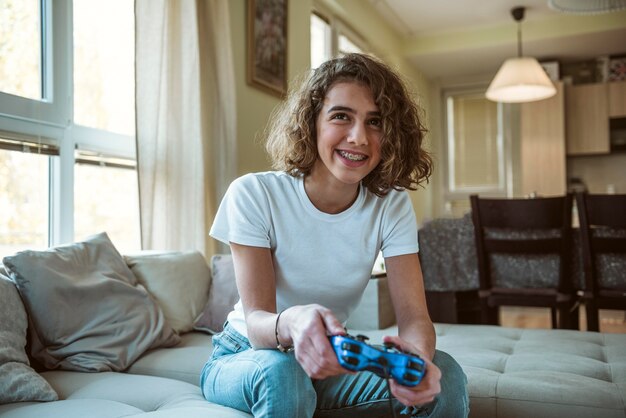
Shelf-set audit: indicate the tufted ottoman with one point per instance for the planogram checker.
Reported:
(541, 373)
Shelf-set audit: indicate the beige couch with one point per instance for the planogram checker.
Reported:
(512, 373)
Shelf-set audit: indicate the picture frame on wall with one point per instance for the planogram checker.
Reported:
(267, 46)
(552, 69)
(617, 68)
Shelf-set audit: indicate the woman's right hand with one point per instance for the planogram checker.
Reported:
(308, 326)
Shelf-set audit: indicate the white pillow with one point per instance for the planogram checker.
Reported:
(178, 281)
(87, 310)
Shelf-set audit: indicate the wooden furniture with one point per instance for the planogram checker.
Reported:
(542, 130)
(617, 99)
(587, 119)
(602, 221)
(524, 228)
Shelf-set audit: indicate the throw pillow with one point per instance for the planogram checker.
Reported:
(18, 381)
(222, 296)
(86, 310)
(178, 281)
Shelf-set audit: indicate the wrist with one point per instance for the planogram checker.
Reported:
(283, 344)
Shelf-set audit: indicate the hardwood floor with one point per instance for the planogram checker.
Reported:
(521, 317)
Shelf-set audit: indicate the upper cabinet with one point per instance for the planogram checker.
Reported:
(587, 119)
(542, 152)
(617, 99)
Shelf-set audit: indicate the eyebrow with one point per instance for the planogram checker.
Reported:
(350, 110)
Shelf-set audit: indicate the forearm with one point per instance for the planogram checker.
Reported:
(406, 287)
(419, 333)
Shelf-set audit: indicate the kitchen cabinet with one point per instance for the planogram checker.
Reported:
(587, 119)
(617, 99)
(542, 145)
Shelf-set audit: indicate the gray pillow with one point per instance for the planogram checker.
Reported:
(18, 381)
(178, 281)
(222, 296)
(86, 310)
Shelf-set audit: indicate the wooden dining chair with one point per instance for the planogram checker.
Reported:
(602, 220)
(524, 259)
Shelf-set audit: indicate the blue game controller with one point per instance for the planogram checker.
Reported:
(386, 361)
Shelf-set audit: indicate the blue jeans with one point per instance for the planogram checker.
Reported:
(271, 384)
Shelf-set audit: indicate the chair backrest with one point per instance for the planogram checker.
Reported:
(602, 220)
(530, 228)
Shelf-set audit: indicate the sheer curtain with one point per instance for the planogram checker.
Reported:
(185, 95)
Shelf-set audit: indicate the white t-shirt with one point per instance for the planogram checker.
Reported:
(318, 257)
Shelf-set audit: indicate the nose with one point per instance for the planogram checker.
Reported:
(357, 135)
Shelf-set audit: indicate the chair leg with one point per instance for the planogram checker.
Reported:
(488, 314)
(568, 317)
(593, 322)
(574, 316)
(554, 318)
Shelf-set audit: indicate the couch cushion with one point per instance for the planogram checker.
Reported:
(222, 296)
(183, 362)
(179, 281)
(552, 373)
(86, 310)
(112, 395)
(18, 381)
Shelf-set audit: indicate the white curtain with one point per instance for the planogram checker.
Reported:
(185, 95)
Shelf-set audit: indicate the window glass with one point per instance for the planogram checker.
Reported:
(347, 46)
(474, 142)
(104, 65)
(106, 199)
(320, 41)
(24, 201)
(20, 48)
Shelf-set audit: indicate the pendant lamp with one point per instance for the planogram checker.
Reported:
(520, 79)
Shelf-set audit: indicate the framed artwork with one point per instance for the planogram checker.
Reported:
(552, 69)
(617, 68)
(267, 45)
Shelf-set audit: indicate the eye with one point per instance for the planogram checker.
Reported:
(339, 116)
(376, 122)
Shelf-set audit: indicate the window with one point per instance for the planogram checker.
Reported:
(320, 40)
(24, 181)
(106, 195)
(476, 153)
(20, 48)
(346, 45)
(104, 83)
(67, 148)
(330, 38)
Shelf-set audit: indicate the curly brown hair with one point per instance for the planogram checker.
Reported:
(291, 138)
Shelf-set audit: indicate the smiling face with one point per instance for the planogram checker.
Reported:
(349, 130)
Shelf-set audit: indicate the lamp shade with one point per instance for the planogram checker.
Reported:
(520, 80)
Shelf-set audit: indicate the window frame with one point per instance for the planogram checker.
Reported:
(52, 118)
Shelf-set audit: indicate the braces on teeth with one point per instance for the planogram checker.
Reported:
(352, 157)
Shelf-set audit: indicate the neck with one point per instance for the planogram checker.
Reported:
(330, 196)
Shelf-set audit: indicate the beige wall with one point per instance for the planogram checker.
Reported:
(254, 106)
(601, 174)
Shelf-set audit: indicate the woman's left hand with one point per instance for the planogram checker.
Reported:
(427, 389)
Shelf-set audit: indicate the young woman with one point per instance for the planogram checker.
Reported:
(347, 144)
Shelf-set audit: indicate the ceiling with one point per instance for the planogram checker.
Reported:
(454, 38)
